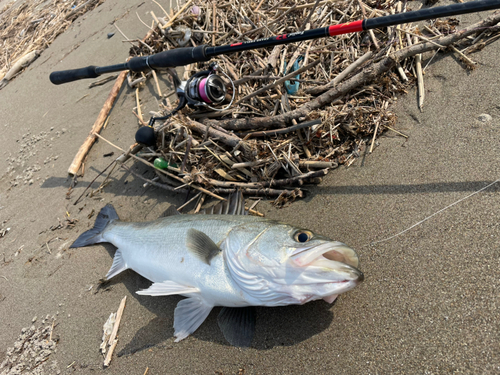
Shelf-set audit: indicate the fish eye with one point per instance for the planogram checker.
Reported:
(302, 236)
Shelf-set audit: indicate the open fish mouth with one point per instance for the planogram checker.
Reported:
(334, 255)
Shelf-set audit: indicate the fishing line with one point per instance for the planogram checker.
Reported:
(434, 214)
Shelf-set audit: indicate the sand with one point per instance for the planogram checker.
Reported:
(429, 303)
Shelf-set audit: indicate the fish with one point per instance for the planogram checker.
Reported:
(225, 257)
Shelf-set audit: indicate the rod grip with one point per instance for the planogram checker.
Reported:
(64, 76)
(169, 59)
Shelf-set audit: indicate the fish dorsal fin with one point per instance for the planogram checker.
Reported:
(167, 288)
(118, 266)
(237, 325)
(188, 316)
(170, 211)
(235, 205)
(201, 245)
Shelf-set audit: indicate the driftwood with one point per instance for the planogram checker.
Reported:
(98, 124)
(23, 62)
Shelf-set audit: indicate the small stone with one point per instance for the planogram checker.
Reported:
(63, 130)
(52, 128)
(34, 319)
(484, 117)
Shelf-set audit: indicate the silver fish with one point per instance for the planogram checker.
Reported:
(226, 259)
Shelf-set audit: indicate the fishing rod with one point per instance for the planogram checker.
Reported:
(188, 55)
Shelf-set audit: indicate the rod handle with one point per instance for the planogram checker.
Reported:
(169, 59)
(64, 76)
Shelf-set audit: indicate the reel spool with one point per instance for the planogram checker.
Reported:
(206, 88)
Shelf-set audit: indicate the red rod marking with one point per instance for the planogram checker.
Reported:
(236, 44)
(346, 28)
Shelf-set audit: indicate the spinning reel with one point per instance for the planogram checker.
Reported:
(203, 89)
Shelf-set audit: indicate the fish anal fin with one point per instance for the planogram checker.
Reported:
(189, 314)
(237, 325)
(331, 298)
(201, 245)
(118, 266)
(167, 288)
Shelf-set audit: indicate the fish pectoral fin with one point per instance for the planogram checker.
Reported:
(167, 288)
(188, 316)
(237, 325)
(118, 266)
(201, 245)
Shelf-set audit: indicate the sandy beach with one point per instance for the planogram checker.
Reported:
(430, 301)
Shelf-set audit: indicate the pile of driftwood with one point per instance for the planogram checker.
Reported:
(273, 140)
(28, 27)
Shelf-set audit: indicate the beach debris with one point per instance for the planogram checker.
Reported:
(484, 117)
(3, 232)
(29, 27)
(278, 136)
(23, 62)
(112, 340)
(98, 124)
(31, 351)
(107, 329)
(215, 259)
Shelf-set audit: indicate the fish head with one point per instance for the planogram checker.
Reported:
(297, 265)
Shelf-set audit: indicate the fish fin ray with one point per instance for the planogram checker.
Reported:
(118, 265)
(94, 235)
(189, 314)
(235, 205)
(170, 211)
(237, 325)
(167, 288)
(201, 245)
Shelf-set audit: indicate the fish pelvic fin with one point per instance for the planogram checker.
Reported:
(118, 266)
(92, 236)
(167, 288)
(237, 325)
(189, 314)
(201, 245)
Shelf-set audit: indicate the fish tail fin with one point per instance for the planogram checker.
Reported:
(94, 235)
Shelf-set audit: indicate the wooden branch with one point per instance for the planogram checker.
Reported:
(355, 65)
(263, 192)
(98, 124)
(297, 180)
(226, 138)
(364, 77)
(270, 133)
